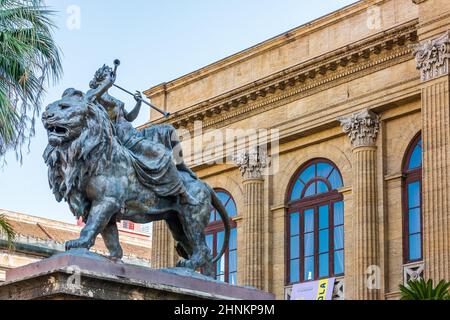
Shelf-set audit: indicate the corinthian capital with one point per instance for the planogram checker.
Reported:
(432, 57)
(251, 162)
(362, 128)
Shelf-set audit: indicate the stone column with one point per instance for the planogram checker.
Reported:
(432, 59)
(251, 164)
(162, 246)
(362, 129)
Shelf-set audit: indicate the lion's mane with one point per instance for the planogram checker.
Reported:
(70, 165)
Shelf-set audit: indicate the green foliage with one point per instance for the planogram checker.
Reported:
(7, 230)
(421, 290)
(29, 59)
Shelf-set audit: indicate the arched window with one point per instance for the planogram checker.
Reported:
(315, 223)
(226, 267)
(412, 202)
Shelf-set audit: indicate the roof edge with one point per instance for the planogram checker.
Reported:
(290, 35)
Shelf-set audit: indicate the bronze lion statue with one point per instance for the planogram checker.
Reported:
(101, 180)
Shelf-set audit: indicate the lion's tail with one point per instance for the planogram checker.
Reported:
(217, 204)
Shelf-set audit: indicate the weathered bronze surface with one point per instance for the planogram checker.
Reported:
(106, 171)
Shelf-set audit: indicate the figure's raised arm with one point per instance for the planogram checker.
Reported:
(104, 78)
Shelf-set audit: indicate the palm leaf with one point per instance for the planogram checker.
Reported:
(7, 230)
(421, 290)
(441, 292)
(29, 60)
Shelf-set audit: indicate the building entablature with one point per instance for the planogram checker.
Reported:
(306, 78)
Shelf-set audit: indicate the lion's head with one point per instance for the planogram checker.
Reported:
(65, 119)
(80, 137)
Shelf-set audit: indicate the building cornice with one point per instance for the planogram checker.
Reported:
(267, 45)
(304, 77)
(305, 125)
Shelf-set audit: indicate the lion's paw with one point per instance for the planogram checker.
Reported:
(77, 243)
(184, 263)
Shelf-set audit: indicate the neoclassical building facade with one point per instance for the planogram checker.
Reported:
(359, 100)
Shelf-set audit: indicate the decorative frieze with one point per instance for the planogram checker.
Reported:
(251, 162)
(362, 128)
(432, 57)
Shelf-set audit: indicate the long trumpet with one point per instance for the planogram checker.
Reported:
(164, 113)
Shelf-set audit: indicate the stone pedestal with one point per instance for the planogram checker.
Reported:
(73, 276)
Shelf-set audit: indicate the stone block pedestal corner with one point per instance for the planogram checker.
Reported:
(71, 276)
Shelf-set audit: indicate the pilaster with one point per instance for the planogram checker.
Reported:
(362, 129)
(432, 60)
(251, 164)
(162, 246)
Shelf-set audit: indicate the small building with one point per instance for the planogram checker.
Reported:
(38, 238)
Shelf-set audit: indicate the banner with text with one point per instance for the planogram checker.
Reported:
(315, 290)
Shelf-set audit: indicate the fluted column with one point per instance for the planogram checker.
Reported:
(432, 59)
(162, 246)
(362, 129)
(251, 164)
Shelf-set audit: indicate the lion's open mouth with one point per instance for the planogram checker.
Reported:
(60, 131)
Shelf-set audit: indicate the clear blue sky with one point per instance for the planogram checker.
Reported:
(156, 41)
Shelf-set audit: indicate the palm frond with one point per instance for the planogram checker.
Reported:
(421, 290)
(29, 60)
(7, 230)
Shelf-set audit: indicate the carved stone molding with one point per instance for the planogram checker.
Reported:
(362, 128)
(251, 162)
(432, 57)
(413, 271)
(304, 77)
(338, 290)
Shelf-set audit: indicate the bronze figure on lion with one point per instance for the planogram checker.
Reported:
(108, 171)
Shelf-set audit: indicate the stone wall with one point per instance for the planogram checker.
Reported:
(324, 84)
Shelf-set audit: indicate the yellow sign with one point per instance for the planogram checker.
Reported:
(322, 290)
